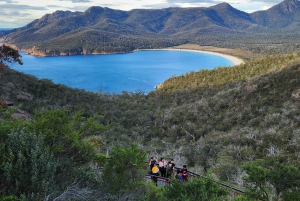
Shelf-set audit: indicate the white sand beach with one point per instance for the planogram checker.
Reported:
(234, 60)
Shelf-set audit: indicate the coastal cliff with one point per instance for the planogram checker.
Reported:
(36, 51)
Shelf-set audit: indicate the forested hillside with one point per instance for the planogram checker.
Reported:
(105, 30)
(221, 119)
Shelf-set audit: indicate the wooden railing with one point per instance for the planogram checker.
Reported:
(162, 181)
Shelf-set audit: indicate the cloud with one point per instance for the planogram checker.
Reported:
(16, 18)
(77, 1)
(6, 1)
(243, 5)
(17, 15)
(221, 1)
(20, 7)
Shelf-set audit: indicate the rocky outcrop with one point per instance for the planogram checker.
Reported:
(159, 86)
(296, 93)
(35, 51)
(20, 114)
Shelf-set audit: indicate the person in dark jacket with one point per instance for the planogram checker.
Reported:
(184, 172)
(151, 162)
(170, 168)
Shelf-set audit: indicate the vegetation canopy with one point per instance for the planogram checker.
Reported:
(8, 56)
(241, 123)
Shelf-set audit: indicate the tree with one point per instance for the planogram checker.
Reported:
(283, 177)
(6, 127)
(29, 169)
(70, 137)
(50, 154)
(73, 142)
(267, 176)
(125, 170)
(257, 177)
(196, 189)
(9, 55)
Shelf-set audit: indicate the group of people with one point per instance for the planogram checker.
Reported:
(166, 169)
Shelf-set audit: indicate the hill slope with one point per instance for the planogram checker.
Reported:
(221, 123)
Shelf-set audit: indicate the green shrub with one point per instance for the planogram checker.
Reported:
(196, 189)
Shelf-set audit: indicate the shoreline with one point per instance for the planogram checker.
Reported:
(235, 60)
(191, 48)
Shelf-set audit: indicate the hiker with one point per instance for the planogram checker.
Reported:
(154, 172)
(178, 174)
(162, 167)
(151, 163)
(170, 168)
(184, 173)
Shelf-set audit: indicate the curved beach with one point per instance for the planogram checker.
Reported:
(233, 59)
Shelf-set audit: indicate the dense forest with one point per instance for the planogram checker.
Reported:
(239, 125)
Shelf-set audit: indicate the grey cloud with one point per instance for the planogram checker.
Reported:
(53, 6)
(207, 3)
(7, 1)
(18, 14)
(72, 8)
(219, 1)
(80, 8)
(77, 1)
(21, 7)
(14, 14)
(16, 18)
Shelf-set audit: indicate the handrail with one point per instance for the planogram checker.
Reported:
(168, 180)
(221, 183)
(158, 177)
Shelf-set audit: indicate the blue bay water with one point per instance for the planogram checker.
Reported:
(114, 73)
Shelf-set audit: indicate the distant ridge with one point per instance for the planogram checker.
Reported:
(104, 30)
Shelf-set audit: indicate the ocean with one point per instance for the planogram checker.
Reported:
(114, 73)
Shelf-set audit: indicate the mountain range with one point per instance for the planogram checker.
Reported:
(105, 30)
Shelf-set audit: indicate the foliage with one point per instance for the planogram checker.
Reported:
(9, 55)
(125, 170)
(242, 198)
(9, 198)
(258, 176)
(153, 192)
(69, 137)
(6, 127)
(196, 189)
(264, 174)
(29, 169)
(229, 121)
(53, 153)
(291, 194)
(222, 75)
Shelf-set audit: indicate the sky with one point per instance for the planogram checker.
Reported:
(18, 13)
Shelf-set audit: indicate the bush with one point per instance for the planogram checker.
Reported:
(196, 189)
(125, 170)
(29, 168)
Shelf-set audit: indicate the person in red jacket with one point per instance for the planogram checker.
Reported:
(184, 172)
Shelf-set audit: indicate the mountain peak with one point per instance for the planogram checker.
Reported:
(94, 9)
(289, 6)
(223, 5)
